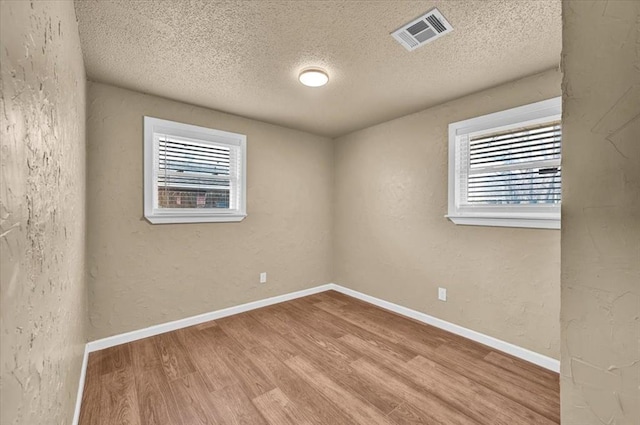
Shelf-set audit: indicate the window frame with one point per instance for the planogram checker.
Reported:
(527, 216)
(155, 126)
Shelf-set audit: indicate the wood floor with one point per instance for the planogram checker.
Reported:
(323, 359)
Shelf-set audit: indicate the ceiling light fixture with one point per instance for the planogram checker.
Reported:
(313, 77)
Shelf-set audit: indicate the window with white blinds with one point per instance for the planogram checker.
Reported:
(193, 174)
(505, 168)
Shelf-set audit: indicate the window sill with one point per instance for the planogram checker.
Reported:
(533, 222)
(171, 219)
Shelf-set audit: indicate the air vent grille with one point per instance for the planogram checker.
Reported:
(422, 30)
(417, 28)
(435, 22)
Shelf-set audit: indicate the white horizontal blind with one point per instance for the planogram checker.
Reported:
(519, 166)
(192, 174)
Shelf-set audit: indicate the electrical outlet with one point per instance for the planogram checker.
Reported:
(442, 294)
(263, 277)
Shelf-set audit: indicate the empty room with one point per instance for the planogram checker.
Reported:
(320, 212)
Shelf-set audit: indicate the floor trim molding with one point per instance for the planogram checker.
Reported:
(83, 375)
(111, 341)
(506, 347)
(514, 350)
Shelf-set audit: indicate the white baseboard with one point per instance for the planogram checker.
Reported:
(514, 350)
(522, 353)
(111, 341)
(83, 375)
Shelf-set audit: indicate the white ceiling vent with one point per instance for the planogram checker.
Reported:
(423, 30)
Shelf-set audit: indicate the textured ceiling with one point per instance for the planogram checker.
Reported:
(243, 57)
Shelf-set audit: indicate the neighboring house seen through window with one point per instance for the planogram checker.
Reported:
(505, 168)
(193, 174)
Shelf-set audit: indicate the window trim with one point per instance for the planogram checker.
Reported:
(541, 217)
(154, 215)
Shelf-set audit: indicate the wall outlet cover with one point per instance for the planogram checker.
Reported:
(442, 294)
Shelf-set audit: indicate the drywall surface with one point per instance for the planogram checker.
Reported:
(244, 57)
(601, 214)
(392, 240)
(142, 274)
(42, 212)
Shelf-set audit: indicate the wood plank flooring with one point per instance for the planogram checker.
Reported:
(323, 359)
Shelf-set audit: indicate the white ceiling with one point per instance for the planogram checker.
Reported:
(243, 57)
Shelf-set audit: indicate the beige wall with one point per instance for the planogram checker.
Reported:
(392, 240)
(601, 214)
(42, 212)
(142, 274)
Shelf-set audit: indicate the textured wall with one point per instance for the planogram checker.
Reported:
(142, 274)
(42, 212)
(392, 240)
(601, 214)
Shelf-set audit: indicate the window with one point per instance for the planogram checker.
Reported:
(193, 174)
(504, 168)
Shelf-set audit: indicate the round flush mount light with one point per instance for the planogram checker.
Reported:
(313, 77)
